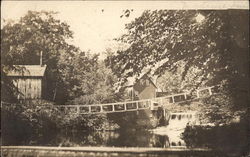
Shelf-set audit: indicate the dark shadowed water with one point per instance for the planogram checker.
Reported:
(124, 138)
(228, 139)
(163, 137)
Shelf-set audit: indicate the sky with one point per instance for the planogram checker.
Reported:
(96, 23)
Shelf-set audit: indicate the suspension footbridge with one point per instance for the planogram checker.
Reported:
(152, 104)
(137, 105)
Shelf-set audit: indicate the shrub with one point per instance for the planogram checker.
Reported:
(22, 123)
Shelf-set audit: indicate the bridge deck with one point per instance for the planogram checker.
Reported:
(151, 104)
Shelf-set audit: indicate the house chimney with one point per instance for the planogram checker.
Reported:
(41, 58)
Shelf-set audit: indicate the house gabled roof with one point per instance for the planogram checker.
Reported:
(27, 71)
(132, 80)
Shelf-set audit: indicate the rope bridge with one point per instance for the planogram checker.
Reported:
(137, 105)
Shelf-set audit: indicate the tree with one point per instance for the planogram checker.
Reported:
(172, 82)
(24, 40)
(214, 42)
(73, 76)
(87, 80)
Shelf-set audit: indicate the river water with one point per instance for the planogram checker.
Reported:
(229, 139)
(164, 136)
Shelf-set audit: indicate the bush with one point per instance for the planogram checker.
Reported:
(227, 138)
(23, 123)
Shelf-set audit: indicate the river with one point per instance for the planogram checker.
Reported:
(229, 138)
(164, 136)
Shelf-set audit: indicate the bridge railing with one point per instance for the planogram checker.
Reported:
(186, 96)
(126, 106)
(151, 104)
(107, 108)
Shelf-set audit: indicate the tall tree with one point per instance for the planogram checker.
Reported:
(214, 42)
(87, 80)
(71, 73)
(172, 82)
(23, 41)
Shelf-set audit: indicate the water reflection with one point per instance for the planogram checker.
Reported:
(164, 137)
(177, 123)
(125, 138)
(174, 136)
(226, 138)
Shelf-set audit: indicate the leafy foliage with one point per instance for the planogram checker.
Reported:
(213, 43)
(26, 121)
(72, 76)
(70, 72)
(33, 33)
(164, 35)
(228, 138)
(173, 82)
(36, 32)
(87, 80)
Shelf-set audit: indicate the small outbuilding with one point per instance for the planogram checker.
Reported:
(30, 81)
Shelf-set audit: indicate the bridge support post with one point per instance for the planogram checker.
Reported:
(78, 109)
(89, 109)
(164, 112)
(173, 99)
(198, 95)
(101, 108)
(210, 90)
(151, 105)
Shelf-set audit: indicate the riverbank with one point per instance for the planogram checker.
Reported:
(231, 138)
(34, 151)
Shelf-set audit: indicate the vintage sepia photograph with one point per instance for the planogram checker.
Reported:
(125, 78)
